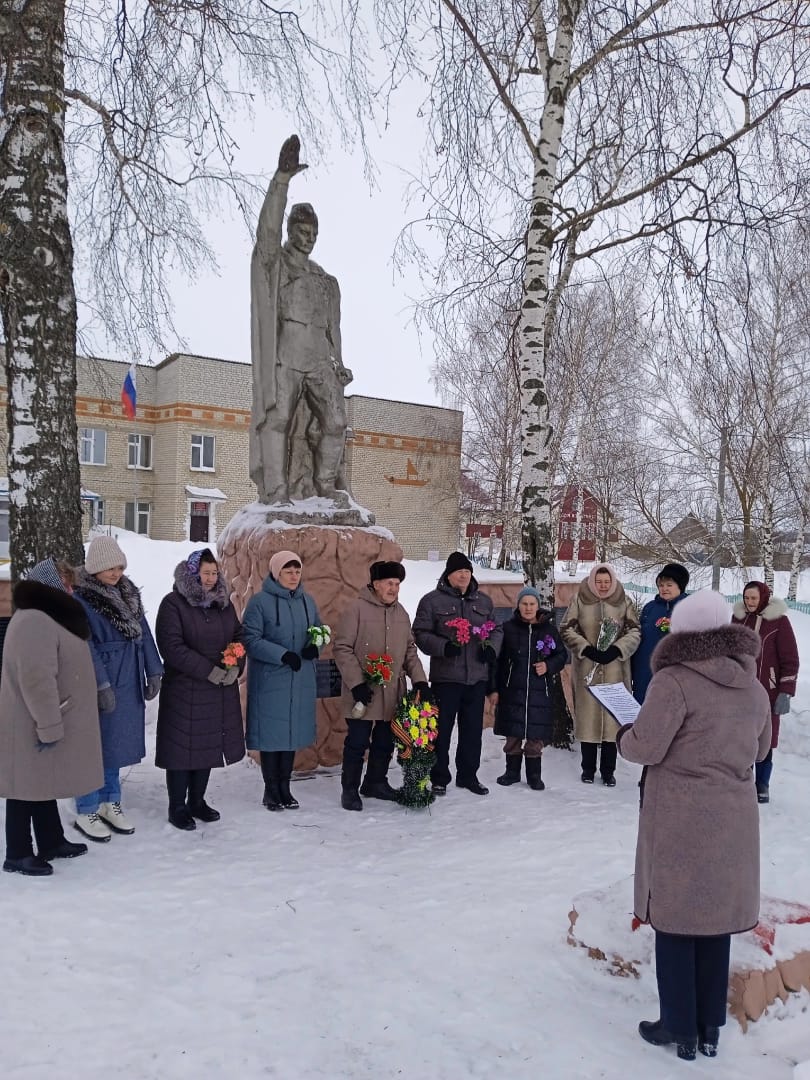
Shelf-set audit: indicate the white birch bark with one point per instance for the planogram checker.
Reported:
(576, 534)
(536, 483)
(36, 287)
(766, 543)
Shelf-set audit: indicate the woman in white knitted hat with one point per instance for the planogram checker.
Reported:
(704, 721)
(128, 673)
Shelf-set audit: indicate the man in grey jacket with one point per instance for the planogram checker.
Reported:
(459, 668)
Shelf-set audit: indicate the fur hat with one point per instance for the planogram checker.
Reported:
(381, 571)
(457, 561)
(764, 594)
(104, 554)
(704, 610)
(673, 571)
(302, 213)
(280, 560)
(46, 573)
(529, 590)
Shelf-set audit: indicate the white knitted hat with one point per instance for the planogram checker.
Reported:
(704, 610)
(104, 554)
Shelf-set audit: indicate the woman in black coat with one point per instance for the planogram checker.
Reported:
(200, 716)
(531, 652)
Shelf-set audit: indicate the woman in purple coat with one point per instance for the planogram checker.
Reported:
(199, 717)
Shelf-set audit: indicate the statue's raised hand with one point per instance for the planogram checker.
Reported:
(288, 162)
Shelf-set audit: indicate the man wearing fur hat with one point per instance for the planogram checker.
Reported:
(375, 623)
(655, 620)
(460, 663)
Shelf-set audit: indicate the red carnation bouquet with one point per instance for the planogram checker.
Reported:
(462, 628)
(232, 654)
(377, 668)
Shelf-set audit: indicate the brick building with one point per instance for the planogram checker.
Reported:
(179, 469)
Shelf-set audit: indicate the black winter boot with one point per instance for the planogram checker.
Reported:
(272, 779)
(350, 781)
(197, 806)
(513, 766)
(177, 781)
(534, 769)
(708, 1038)
(375, 783)
(287, 760)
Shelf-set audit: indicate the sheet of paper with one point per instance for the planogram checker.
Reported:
(618, 701)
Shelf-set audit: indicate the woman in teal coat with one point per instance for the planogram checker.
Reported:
(281, 675)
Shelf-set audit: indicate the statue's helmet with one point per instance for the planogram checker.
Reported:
(302, 214)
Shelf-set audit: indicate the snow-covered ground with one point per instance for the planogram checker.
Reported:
(387, 944)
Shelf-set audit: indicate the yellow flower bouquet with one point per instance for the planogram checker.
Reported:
(415, 728)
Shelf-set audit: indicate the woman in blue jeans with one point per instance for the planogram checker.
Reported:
(128, 673)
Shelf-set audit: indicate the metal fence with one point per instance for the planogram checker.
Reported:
(794, 605)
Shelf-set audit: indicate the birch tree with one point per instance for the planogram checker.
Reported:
(128, 106)
(565, 129)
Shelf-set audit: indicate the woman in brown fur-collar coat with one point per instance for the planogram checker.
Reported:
(704, 722)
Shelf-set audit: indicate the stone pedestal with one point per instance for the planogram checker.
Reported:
(336, 560)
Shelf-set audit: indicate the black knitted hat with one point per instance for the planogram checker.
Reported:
(458, 561)
(675, 572)
(379, 571)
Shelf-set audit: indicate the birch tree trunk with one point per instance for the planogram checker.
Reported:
(576, 532)
(766, 543)
(536, 483)
(36, 287)
(796, 558)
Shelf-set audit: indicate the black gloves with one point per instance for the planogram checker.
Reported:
(292, 660)
(362, 692)
(451, 649)
(310, 652)
(602, 656)
(106, 699)
(423, 690)
(152, 688)
(486, 654)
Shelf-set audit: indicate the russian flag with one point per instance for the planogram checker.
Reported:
(129, 395)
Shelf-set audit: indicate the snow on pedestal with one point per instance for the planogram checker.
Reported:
(767, 963)
(336, 561)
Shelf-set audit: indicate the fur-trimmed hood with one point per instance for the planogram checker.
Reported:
(55, 603)
(727, 654)
(774, 609)
(190, 588)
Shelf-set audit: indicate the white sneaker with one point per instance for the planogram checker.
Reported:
(114, 816)
(91, 826)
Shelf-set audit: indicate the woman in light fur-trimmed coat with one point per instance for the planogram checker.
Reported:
(704, 722)
(599, 598)
(778, 663)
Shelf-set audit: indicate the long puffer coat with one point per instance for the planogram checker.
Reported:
(48, 696)
(280, 701)
(431, 633)
(199, 723)
(778, 663)
(579, 629)
(122, 662)
(704, 722)
(524, 701)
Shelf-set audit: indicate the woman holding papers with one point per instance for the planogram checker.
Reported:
(704, 721)
(601, 630)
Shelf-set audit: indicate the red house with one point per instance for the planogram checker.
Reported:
(567, 522)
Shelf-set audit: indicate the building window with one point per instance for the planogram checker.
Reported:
(92, 446)
(137, 516)
(4, 534)
(202, 453)
(97, 512)
(140, 452)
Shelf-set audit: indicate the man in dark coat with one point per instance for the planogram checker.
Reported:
(199, 716)
(460, 667)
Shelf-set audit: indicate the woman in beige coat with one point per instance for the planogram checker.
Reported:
(374, 623)
(599, 605)
(50, 746)
(704, 722)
